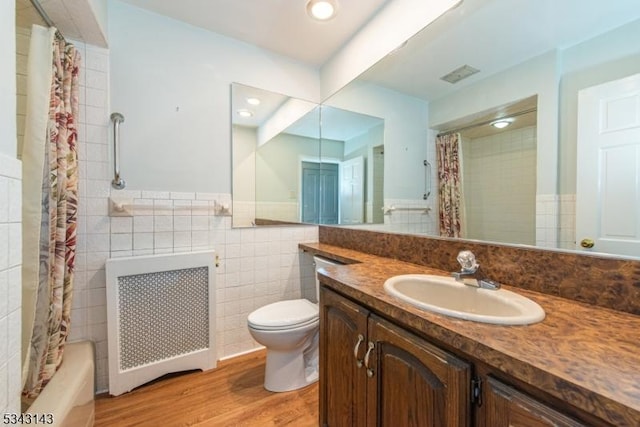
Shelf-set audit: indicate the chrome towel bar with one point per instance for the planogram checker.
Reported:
(388, 209)
(118, 183)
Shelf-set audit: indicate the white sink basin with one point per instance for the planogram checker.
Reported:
(444, 295)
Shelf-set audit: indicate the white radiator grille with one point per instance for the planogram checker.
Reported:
(162, 315)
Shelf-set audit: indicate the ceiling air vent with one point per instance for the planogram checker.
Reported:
(459, 73)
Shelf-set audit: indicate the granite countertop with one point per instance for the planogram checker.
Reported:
(582, 354)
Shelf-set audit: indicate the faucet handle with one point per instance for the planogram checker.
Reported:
(467, 261)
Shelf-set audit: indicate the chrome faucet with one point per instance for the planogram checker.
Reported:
(471, 274)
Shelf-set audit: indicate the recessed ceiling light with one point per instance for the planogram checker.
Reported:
(253, 101)
(322, 10)
(245, 113)
(502, 123)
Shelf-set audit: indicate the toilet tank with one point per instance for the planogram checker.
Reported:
(319, 263)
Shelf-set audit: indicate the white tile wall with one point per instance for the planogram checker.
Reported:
(547, 223)
(258, 266)
(499, 186)
(10, 283)
(23, 37)
(567, 226)
(411, 221)
(556, 221)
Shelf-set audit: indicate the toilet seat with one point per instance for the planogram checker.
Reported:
(284, 315)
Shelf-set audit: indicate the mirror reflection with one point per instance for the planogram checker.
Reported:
(519, 184)
(287, 168)
(497, 161)
(502, 63)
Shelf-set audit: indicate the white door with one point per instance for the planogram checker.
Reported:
(352, 191)
(608, 168)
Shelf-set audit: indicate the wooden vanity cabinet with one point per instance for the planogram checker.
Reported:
(505, 406)
(343, 327)
(374, 373)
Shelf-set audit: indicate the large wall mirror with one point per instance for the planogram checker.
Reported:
(525, 62)
(520, 60)
(298, 162)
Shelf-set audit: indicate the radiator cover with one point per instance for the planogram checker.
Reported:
(161, 316)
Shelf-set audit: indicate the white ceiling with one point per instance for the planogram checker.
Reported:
(281, 26)
(493, 35)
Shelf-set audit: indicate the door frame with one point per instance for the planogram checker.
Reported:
(312, 159)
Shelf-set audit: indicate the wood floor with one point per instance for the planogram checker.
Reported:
(230, 395)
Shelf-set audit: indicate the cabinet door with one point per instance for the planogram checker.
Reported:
(343, 327)
(507, 407)
(412, 382)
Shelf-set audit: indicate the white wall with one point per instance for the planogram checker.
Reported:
(539, 76)
(405, 134)
(611, 56)
(172, 83)
(244, 175)
(10, 220)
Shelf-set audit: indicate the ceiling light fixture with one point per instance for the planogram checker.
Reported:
(245, 113)
(322, 10)
(502, 123)
(253, 101)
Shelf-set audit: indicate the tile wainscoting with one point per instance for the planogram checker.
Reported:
(10, 283)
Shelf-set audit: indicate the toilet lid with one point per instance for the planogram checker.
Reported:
(284, 314)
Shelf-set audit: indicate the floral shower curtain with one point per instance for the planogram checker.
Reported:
(50, 205)
(448, 152)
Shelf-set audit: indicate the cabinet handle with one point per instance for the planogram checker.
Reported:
(370, 347)
(355, 351)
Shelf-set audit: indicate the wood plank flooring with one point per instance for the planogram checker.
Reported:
(230, 395)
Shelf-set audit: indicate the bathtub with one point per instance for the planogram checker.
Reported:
(69, 396)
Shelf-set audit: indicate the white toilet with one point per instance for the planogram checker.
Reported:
(289, 330)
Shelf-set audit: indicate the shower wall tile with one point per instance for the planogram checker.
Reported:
(23, 39)
(4, 240)
(97, 79)
(10, 283)
(94, 225)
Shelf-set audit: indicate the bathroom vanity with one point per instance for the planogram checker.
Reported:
(385, 362)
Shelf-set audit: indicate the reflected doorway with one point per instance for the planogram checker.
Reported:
(319, 193)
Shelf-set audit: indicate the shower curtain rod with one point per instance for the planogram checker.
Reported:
(38, 7)
(486, 122)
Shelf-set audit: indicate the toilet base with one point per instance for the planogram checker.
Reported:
(287, 371)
